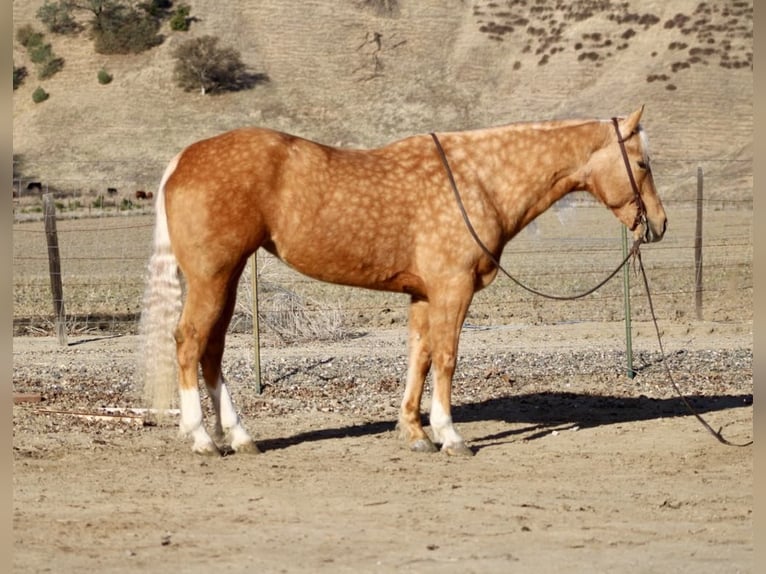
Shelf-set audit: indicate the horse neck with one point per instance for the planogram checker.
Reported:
(525, 168)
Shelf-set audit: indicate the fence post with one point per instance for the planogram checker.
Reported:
(54, 266)
(626, 303)
(698, 250)
(256, 326)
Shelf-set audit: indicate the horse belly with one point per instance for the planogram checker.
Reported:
(354, 262)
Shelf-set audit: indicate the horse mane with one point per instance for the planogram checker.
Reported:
(644, 143)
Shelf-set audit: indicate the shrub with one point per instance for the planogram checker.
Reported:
(121, 29)
(57, 17)
(104, 77)
(50, 67)
(179, 22)
(39, 95)
(40, 53)
(202, 65)
(18, 75)
(156, 8)
(28, 37)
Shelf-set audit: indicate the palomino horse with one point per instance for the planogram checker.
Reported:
(383, 219)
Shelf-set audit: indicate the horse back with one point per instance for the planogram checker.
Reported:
(379, 218)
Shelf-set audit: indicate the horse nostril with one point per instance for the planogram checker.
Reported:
(654, 234)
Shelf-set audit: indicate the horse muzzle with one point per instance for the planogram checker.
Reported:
(650, 232)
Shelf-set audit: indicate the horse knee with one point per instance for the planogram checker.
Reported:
(445, 360)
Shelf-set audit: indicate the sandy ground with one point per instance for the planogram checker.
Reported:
(578, 468)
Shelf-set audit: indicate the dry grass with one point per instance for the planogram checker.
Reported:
(289, 315)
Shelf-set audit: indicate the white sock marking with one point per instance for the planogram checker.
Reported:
(441, 424)
(191, 421)
(227, 419)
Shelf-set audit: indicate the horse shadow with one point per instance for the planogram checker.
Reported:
(544, 412)
(540, 413)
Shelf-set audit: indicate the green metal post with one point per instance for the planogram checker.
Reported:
(626, 300)
(256, 325)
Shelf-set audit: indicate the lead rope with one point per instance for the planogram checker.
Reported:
(717, 434)
(634, 251)
(480, 243)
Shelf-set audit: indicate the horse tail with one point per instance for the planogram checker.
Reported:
(160, 313)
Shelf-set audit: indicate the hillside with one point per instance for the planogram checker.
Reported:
(344, 73)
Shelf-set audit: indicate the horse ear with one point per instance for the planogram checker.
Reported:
(629, 124)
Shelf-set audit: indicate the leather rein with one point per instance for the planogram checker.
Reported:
(640, 218)
(641, 209)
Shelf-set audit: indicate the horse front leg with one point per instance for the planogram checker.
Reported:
(446, 316)
(419, 363)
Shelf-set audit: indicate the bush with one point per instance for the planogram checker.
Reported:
(120, 29)
(28, 37)
(50, 67)
(157, 8)
(18, 75)
(39, 95)
(202, 65)
(104, 77)
(40, 53)
(179, 22)
(57, 17)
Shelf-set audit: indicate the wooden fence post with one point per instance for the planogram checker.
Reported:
(54, 266)
(256, 325)
(698, 250)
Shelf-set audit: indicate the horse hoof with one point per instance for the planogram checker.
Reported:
(209, 449)
(459, 449)
(248, 447)
(422, 445)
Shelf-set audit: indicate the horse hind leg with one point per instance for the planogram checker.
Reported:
(204, 306)
(227, 420)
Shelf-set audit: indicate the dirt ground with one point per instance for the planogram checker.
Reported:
(577, 467)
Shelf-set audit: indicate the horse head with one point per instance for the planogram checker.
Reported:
(619, 174)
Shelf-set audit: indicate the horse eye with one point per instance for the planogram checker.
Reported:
(642, 165)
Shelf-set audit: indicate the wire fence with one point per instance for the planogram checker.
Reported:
(104, 250)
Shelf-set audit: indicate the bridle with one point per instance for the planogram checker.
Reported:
(640, 207)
